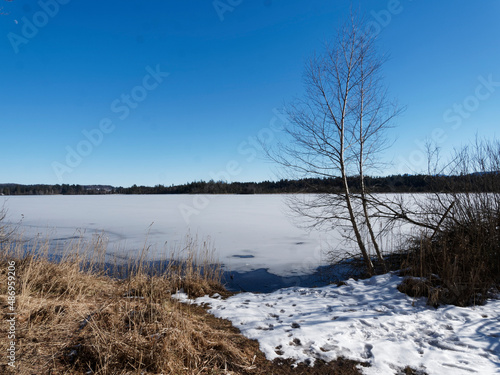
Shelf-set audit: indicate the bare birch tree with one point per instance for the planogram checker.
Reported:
(337, 130)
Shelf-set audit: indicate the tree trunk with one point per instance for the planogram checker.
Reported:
(355, 228)
(363, 187)
(352, 217)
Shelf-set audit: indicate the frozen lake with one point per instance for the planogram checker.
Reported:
(249, 232)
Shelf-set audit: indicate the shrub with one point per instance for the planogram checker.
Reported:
(460, 264)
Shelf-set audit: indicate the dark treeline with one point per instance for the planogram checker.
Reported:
(390, 184)
(64, 189)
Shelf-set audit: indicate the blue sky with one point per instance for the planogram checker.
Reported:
(167, 92)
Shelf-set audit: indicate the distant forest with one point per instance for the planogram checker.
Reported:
(390, 184)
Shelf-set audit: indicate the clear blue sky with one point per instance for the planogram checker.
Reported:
(70, 67)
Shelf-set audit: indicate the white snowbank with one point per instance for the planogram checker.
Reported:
(368, 321)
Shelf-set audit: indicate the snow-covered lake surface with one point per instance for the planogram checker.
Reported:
(249, 232)
(368, 321)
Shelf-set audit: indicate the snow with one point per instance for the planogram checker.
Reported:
(250, 232)
(368, 321)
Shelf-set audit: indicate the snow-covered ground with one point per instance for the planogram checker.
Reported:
(368, 321)
(249, 232)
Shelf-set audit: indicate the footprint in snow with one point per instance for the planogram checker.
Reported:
(366, 323)
(329, 347)
(452, 365)
(368, 351)
(270, 327)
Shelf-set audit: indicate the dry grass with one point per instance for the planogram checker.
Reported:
(75, 317)
(72, 319)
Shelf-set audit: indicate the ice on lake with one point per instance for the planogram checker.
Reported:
(249, 232)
